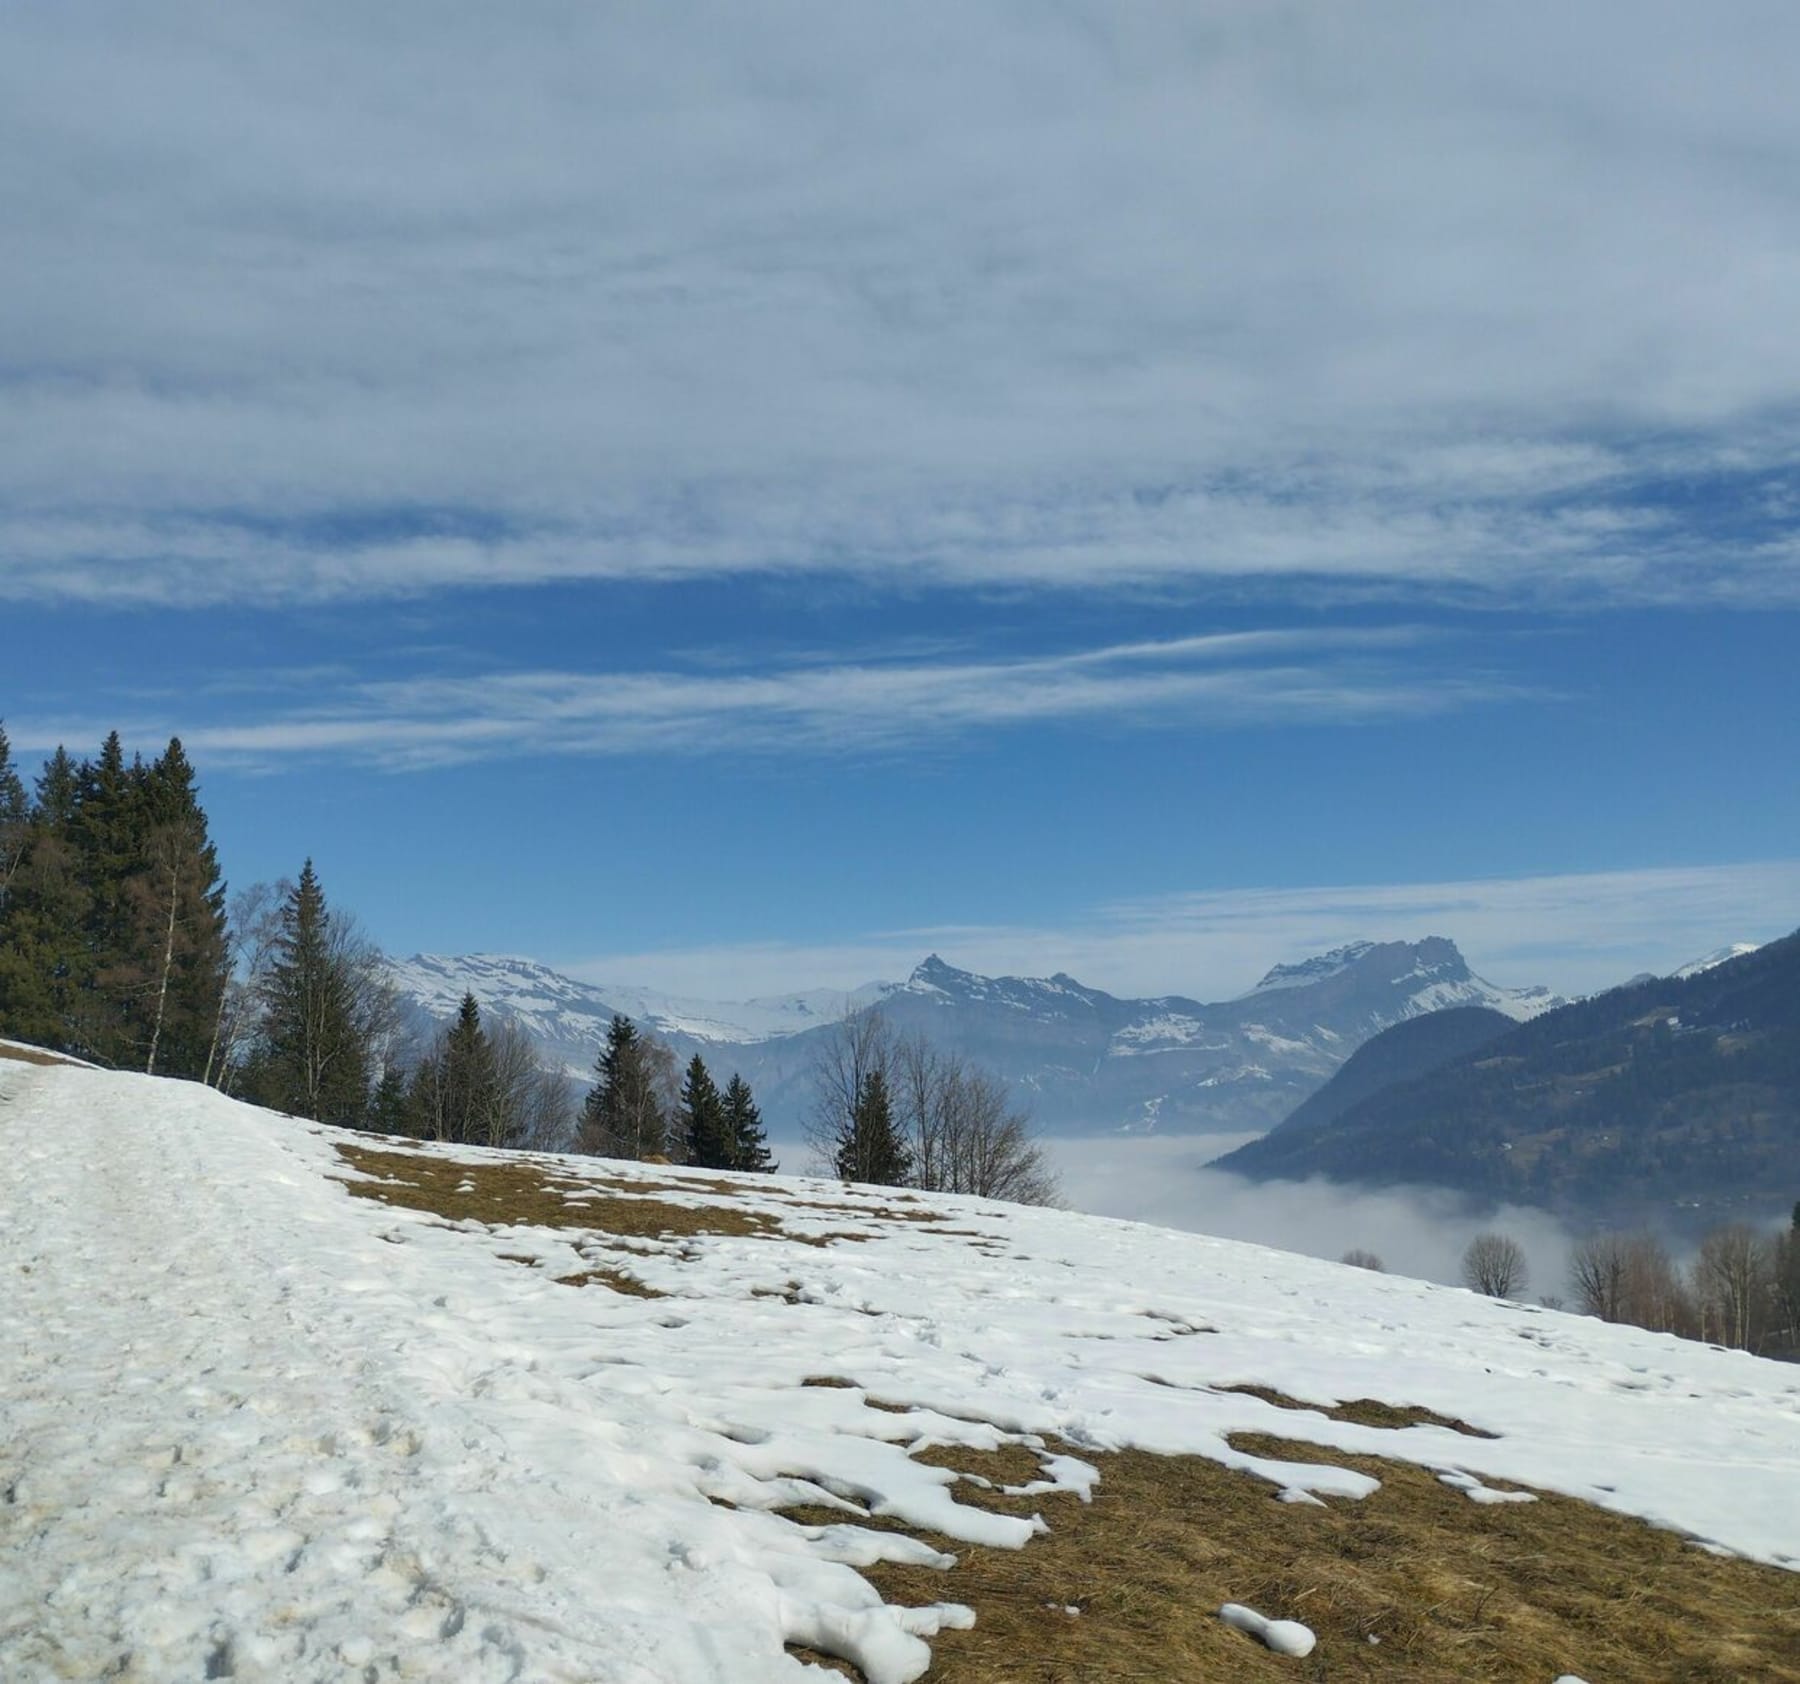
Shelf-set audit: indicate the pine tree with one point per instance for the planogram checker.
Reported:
(175, 970)
(107, 833)
(743, 1127)
(42, 952)
(469, 1084)
(390, 1106)
(623, 1116)
(701, 1118)
(869, 1149)
(315, 1061)
(15, 819)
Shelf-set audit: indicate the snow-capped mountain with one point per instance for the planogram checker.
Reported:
(568, 1018)
(1084, 1060)
(1718, 956)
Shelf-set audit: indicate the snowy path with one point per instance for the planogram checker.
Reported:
(253, 1427)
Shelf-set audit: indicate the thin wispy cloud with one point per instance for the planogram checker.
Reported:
(333, 302)
(1342, 675)
(1574, 932)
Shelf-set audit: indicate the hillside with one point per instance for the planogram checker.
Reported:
(1677, 1095)
(1084, 1060)
(284, 1403)
(1401, 1053)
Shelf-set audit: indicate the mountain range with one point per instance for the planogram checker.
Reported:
(1675, 1099)
(1085, 1061)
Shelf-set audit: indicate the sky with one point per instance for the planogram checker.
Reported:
(733, 499)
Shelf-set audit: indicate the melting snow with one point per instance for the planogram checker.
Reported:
(253, 1426)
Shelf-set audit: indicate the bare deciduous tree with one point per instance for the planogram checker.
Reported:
(1495, 1265)
(1357, 1258)
(253, 926)
(964, 1134)
(1629, 1278)
(844, 1057)
(1734, 1281)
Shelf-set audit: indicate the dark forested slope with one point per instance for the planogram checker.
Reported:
(1680, 1093)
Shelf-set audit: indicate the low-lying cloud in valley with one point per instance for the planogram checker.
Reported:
(1420, 1231)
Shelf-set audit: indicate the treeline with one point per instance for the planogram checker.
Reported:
(113, 931)
(636, 1110)
(1741, 1289)
(119, 945)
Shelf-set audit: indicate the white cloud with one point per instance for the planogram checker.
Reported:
(1345, 675)
(1575, 932)
(336, 301)
(1419, 1231)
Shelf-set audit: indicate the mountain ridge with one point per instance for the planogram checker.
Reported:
(1675, 1096)
(1085, 1060)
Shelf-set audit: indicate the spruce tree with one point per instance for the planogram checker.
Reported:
(107, 832)
(390, 1105)
(702, 1121)
(315, 1061)
(623, 1115)
(175, 969)
(743, 1126)
(15, 818)
(470, 1088)
(42, 950)
(869, 1149)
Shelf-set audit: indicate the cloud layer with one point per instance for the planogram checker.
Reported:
(333, 301)
(1344, 675)
(1576, 933)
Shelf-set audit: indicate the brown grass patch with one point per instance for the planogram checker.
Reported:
(37, 1055)
(1453, 1590)
(1365, 1411)
(614, 1279)
(515, 1193)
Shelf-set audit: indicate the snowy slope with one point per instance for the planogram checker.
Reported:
(252, 1426)
(1434, 969)
(1719, 956)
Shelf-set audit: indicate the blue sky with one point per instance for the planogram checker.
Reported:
(731, 499)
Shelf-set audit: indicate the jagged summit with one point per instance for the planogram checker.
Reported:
(1081, 1058)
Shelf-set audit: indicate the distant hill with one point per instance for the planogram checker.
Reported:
(1402, 1053)
(1678, 1095)
(1083, 1059)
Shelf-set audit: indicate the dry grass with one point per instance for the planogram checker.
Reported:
(536, 1192)
(516, 1192)
(616, 1279)
(36, 1055)
(1453, 1590)
(1365, 1411)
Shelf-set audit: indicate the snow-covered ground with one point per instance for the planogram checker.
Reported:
(253, 1426)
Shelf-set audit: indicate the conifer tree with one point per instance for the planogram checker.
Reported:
(174, 969)
(469, 1085)
(390, 1105)
(624, 1115)
(743, 1126)
(15, 817)
(869, 1147)
(42, 953)
(315, 1059)
(701, 1118)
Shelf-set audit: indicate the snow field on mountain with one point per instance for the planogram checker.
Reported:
(254, 1426)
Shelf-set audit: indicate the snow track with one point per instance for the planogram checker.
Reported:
(253, 1427)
